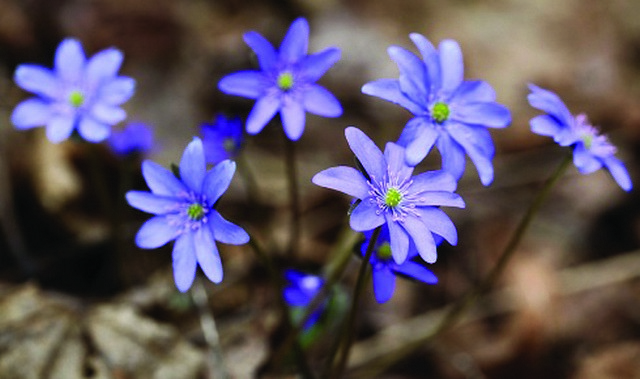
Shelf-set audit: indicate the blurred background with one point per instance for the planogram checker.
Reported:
(79, 300)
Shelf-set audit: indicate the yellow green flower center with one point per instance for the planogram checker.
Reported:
(195, 211)
(384, 251)
(285, 81)
(393, 197)
(440, 112)
(76, 99)
(587, 139)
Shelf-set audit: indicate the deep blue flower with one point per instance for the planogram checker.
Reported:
(300, 290)
(184, 211)
(390, 194)
(591, 150)
(79, 93)
(135, 137)
(385, 269)
(286, 81)
(222, 139)
(449, 112)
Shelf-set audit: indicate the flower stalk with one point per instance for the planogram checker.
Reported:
(294, 201)
(350, 324)
(210, 331)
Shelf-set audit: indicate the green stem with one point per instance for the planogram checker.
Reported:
(454, 313)
(210, 331)
(349, 329)
(249, 179)
(294, 203)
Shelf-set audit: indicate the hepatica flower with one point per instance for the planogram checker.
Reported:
(222, 139)
(135, 137)
(286, 81)
(390, 195)
(79, 93)
(300, 290)
(591, 150)
(385, 269)
(449, 112)
(184, 210)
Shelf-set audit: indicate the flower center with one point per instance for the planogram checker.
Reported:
(384, 251)
(393, 197)
(587, 139)
(285, 81)
(440, 112)
(590, 136)
(196, 212)
(76, 99)
(229, 145)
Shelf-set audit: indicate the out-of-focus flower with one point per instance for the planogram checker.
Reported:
(385, 268)
(409, 205)
(300, 291)
(135, 137)
(184, 211)
(286, 81)
(222, 139)
(449, 112)
(79, 93)
(591, 150)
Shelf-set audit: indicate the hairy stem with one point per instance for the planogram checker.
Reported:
(294, 202)
(349, 328)
(210, 331)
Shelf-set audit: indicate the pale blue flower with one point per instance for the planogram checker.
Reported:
(79, 93)
(286, 81)
(184, 210)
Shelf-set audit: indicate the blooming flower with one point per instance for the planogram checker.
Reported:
(390, 194)
(285, 82)
(300, 291)
(79, 93)
(184, 210)
(222, 139)
(591, 150)
(136, 137)
(449, 112)
(385, 269)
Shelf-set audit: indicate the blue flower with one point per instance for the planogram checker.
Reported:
(285, 82)
(79, 93)
(136, 137)
(300, 290)
(184, 210)
(390, 194)
(222, 139)
(451, 113)
(385, 268)
(591, 150)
